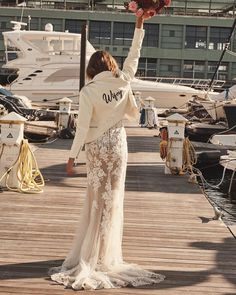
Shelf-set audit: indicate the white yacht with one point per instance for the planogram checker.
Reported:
(48, 64)
(214, 105)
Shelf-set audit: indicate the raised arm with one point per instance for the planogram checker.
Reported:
(131, 62)
(139, 23)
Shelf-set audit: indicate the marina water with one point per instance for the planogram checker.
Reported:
(219, 197)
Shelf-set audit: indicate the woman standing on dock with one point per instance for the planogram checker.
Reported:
(95, 260)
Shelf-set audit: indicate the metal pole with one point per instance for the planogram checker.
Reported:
(29, 21)
(83, 55)
(223, 53)
(210, 7)
(185, 7)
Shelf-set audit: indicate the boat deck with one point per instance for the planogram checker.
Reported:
(168, 227)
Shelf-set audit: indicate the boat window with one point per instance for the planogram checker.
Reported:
(12, 50)
(63, 75)
(39, 44)
(55, 45)
(65, 45)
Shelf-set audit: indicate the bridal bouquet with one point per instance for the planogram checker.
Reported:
(147, 8)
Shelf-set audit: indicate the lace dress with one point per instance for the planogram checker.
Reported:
(95, 260)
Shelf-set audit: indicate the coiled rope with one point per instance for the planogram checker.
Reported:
(189, 157)
(28, 174)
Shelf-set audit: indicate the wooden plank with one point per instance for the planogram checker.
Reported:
(168, 226)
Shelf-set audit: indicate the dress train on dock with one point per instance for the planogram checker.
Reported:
(95, 260)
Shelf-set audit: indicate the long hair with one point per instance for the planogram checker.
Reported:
(99, 62)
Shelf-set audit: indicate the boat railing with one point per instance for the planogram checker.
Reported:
(194, 83)
(62, 52)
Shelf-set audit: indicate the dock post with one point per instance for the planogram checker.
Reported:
(174, 159)
(64, 113)
(151, 118)
(12, 133)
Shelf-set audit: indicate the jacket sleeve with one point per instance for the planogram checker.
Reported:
(131, 62)
(83, 122)
(132, 111)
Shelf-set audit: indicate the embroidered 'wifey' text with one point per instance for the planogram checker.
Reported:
(112, 95)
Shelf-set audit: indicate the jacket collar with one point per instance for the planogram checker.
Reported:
(102, 75)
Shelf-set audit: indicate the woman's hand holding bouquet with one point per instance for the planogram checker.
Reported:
(147, 8)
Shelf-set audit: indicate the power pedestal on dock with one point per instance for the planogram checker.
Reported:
(64, 112)
(12, 130)
(174, 159)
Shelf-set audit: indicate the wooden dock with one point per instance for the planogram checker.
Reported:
(168, 227)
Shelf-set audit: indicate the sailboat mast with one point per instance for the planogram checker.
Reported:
(223, 53)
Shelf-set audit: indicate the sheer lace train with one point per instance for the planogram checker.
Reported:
(95, 260)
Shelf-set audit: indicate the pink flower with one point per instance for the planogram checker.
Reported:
(139, 12)
(133, 6)
(151, 12)
(167, 2)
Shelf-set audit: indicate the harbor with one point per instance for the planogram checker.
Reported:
(180, 187)
(168, 228)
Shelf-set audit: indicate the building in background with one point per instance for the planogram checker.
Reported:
(186, 40)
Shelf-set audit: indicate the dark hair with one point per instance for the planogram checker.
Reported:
(99, 62)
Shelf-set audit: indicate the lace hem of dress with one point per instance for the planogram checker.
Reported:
(82, 277)
(96, 261)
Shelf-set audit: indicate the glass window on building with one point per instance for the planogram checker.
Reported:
(170, 68)
(196, 37)
(194, 69)
(171, 36)
(151, 35)
(123, 33)
(218, 37)
(141, 72)
(5, 23)
(120, 60)
(74, 25)
(34, 4)
(32, 23)
(57, 24)
(151, 67)
(2, 57)
(147, 67)
(233, 42)
(100, 32)
(222, 72)
(233, 71)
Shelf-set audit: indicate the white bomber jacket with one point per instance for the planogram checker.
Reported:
(106, 99)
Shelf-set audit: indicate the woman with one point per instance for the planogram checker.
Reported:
(95, 260)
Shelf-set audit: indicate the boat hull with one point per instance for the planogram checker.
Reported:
(163, 99)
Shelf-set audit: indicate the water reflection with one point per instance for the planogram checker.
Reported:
(220, 196)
